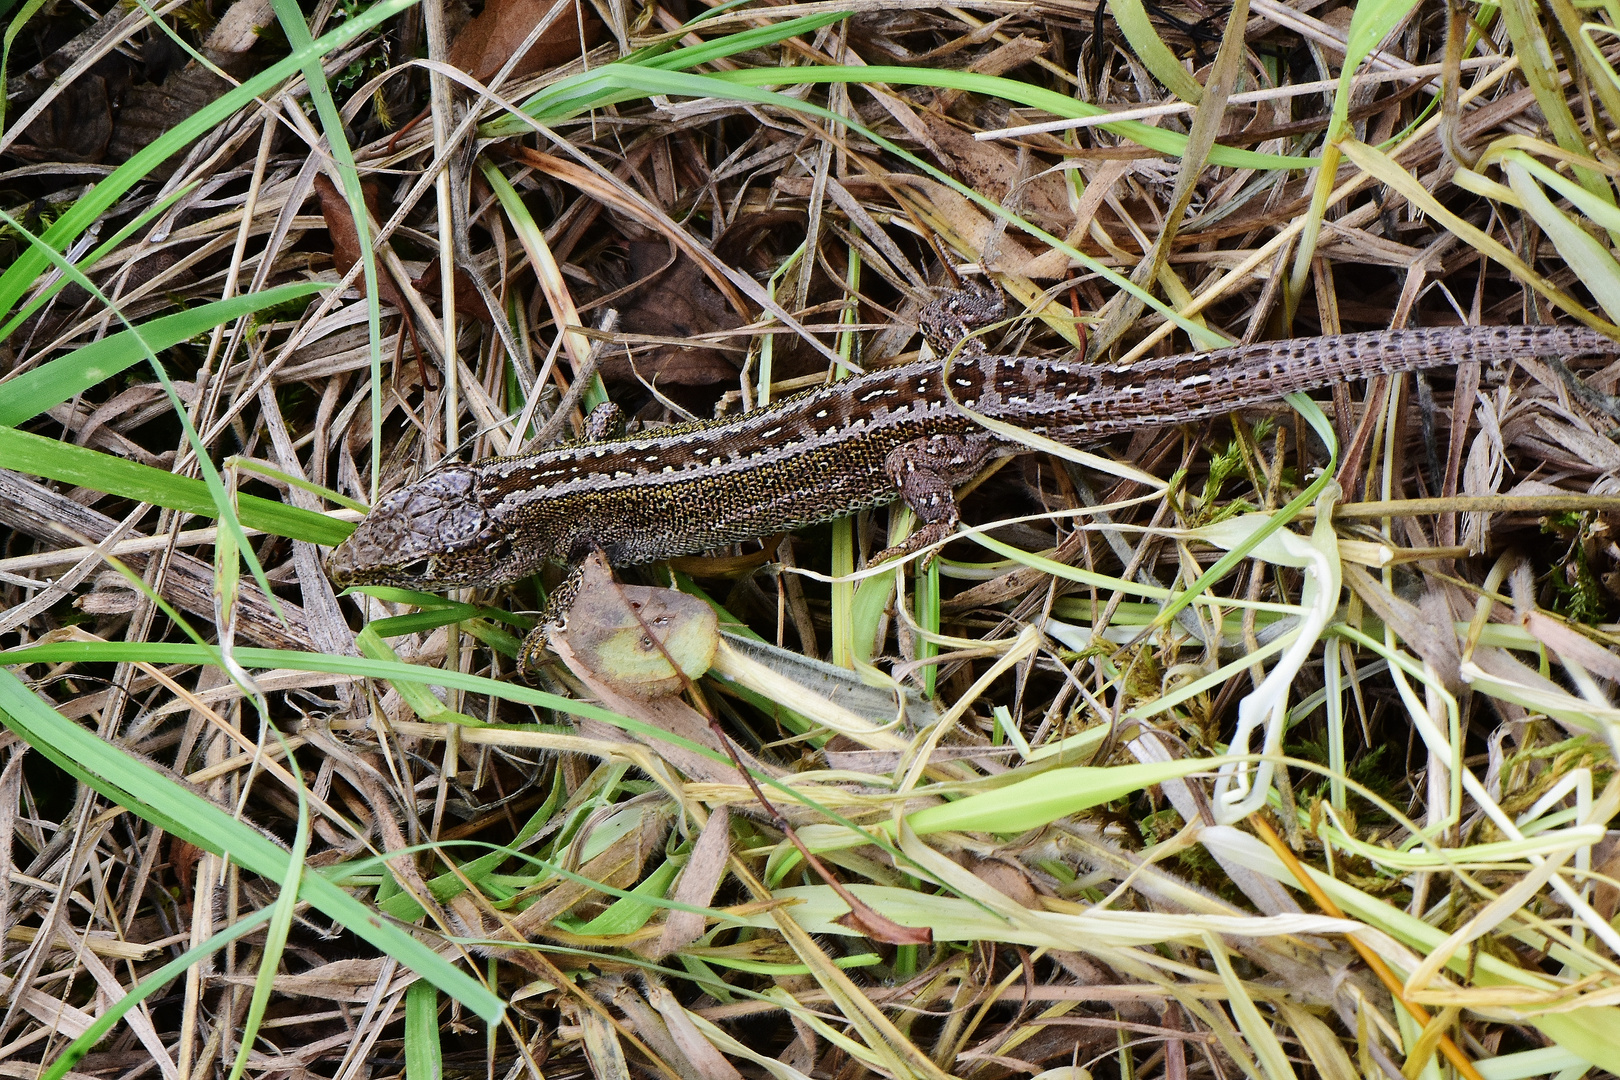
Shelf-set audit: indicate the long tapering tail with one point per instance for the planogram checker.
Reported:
(1178, 389)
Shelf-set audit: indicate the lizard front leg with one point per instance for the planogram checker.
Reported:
(926, 472)
(553, 618)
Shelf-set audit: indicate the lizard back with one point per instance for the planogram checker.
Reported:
(823, 454)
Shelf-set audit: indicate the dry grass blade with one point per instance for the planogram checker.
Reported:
(1279, 744)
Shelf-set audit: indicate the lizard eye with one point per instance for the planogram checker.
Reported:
(417, 567)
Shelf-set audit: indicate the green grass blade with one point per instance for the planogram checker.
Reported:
(29, 10)
(731, 44)
(139, 222)
(1324, 430)
(229, 525)
(22, 274)
(62, 379)
(151, 984)
(630, 913)
(170, 806)
(1370, 23)
(592, 89)
(275, 939)
(1042, 799)
(259, 468)
(1132, 18)
(1594, 267)
(424, 1059)
(172, 653)
(639, 82)
(1532, 47)
(39, 456)
(620, 82)
(337, 140)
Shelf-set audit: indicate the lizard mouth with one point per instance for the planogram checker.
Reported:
(357, 562)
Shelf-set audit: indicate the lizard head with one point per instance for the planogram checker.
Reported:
(432, 535)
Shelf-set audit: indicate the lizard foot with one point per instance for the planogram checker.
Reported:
(931, 533)
(553, 620)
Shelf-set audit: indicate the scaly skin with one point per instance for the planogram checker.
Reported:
(856, 444)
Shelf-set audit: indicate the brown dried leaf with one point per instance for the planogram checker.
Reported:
(608, 629)
(697, 1049)
(341, 980)
(987, 168)
(1606, 896)
(346, 238)
(1424, 631)
(75, 127)
(238, 29)
(675, 301)
(702, 876)
(619, 867)
(150, 110)
(864, 920)
(487, 41)
(468, 299)
(1006, 878)
(1570, 645)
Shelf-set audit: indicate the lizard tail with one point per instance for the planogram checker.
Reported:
(1087, 400)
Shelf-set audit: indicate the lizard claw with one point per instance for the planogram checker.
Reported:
(931, 533)
(532, 653)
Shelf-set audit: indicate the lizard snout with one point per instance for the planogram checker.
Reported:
(340, 565)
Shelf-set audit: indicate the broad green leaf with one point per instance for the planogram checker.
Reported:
(1042, 799)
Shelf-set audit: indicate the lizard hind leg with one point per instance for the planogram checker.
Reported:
(926, 472)
(949, 322)
(606, 421)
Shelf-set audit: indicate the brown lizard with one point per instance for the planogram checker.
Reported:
(899, 433)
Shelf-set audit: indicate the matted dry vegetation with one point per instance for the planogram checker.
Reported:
(1281, 745)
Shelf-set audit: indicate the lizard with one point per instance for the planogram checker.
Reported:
(903, 432)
